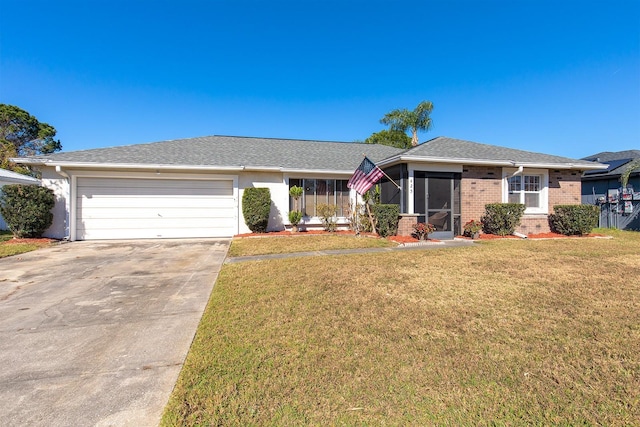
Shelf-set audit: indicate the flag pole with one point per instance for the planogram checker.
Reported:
(385, 174)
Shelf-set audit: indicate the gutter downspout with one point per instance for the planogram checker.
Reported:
(518, 172)
(65, 175)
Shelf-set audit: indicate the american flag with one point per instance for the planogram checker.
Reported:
(365, 176)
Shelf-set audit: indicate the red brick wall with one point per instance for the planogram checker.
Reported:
(565, 188)
(534, 224)
(479, 185)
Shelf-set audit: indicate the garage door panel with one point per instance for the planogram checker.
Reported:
(129, 208)
(133, 202)
(144, 212)
(153, 223)
(116, 183)
(157, 187)
(182, 233)
(156, 191)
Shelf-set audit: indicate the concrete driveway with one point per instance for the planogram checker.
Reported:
(95, 333)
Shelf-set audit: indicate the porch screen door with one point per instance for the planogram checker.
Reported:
(434, 198)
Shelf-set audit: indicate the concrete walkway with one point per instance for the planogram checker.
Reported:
(405, 247)
(95, 333)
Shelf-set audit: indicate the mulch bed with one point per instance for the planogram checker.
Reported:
(288, 233)
(534, 236)
(397, 239)
(408, 239)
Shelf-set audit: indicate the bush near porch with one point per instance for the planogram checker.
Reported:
(502, 218)
(574, 219)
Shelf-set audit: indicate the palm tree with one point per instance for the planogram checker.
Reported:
(415, 120)
(624, 178)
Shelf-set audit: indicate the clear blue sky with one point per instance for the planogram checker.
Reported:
(560, 77)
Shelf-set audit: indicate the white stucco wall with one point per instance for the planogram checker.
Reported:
(279, 197)
(60, 186)
(276, 182)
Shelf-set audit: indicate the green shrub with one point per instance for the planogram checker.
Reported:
(364, 222)
(327, 214)
(502, 218)
(296, 192)
(387, 218)
(295, 217)
(574, 219)
(27, 209)
(256, 205)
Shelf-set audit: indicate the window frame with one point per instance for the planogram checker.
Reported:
(332, 190)
(543, 193)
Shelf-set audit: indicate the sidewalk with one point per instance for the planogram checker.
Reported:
(401, 247)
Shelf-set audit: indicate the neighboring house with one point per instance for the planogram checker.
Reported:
(193, 187)
(9, 177)
(603, 188)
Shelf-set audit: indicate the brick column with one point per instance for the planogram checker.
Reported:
(405, 225)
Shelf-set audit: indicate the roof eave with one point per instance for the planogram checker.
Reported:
(92, 165)
(19, 181)
(482, 162)
(317, 171)
(608, 176)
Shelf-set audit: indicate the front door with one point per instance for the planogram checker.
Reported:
(436, 199)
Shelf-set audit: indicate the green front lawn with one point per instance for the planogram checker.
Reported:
(9, 248)
(247, 246)
(512, 331)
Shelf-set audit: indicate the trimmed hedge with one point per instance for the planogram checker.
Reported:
(387, 218)
(27, 209)
(573, 220)
(256, 206)
(502, 218)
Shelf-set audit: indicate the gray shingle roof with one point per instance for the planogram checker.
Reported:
(10, 176)
(607, 156)
(232, 151)
(288, 154)
(450, 148)
(617, 162)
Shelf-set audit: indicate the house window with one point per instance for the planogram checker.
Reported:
(529, 189)
(319, 191)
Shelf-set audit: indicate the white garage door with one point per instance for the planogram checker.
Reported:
(132, 208)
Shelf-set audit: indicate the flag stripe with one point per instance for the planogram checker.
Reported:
(365, 176)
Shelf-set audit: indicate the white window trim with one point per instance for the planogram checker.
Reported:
(544, 191)
(315, 220)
